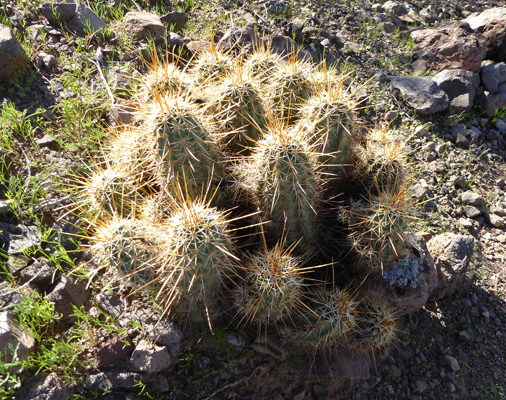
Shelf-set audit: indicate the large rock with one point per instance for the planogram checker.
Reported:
(67, 294)
(175, 20)
(451, 253)
(12, 55)
(142, 25)
(422, 94)
(492, 24)
(58, 12)
(493, 76)
(460, 86)
(449, 47)
(407, 283)
(240, 40)
(85, 21)
(12, 337)
(148, 357)
(45, 387)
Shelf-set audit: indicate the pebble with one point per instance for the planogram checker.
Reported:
(454, 364)
(501, 125)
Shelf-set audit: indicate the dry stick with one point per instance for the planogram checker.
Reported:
(230, 385)
(97, 65)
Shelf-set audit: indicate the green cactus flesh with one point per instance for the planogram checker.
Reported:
(202, 257)
(190, 159)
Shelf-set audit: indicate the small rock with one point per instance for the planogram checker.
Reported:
(148, 357)
(46, 387)
(460, 86)
(141, 25)
(501, 125)
(277, 7)
(67, 294)
(113, 350)
(465, 336)
(110, 303)
(85, 20)
(496, 221)
(12, 54)
(454, 364)
(419, 192)
(175, 20)
(472, 212)
(12, 337)
(422, 94)
(473, 199)
(462, 141)
(40, 272)
(45, 61)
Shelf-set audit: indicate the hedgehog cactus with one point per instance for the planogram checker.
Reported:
(189, 158)
(273, 286)
(283, 176)
(239, 114)
(269, 130)
(201, 258)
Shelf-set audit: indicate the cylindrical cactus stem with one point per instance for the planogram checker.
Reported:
(380, 162)
(376, 327)
(237, 113)
(110, 191)
(166, 80)
(330, 318)
(379, 227)
(201, 259)
(272, 287)
(211, 66)
(331, 120)
(284, 180)
(262, 64)
(129, 248)
(290, 87)
(189, 158)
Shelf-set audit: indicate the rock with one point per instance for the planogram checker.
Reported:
(59, 12)
(473, 199)
(120, 82)
(419, 192)
(98, 382)
(501, 125)
(67, 294)
(449, 47)
(496, 221)
(45, 61)
(453, 363)
(460, 86)
(486, 103)
(15, 239)
(110, 303)
(240, 40)
(285, 47)
(174, 40)
(422, 94)
(47, 141)
(165, 333)
(12, 55)
(12, 337)
(277, 7)
(121, 114)
(141, 25)
(5, 206)
(472, 212)
(492, 76)
(46, 387)
(451, 253)
(40, 272)
(406, 284)
(148, 357)
(403, 11)
(175, 20)
(85, 21)
(492, 24)
(113, 350)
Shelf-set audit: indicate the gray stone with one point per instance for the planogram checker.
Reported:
(67, 294)
(175, 20)
(277, 7)
(98, 382)
(472, 212)
(422, 94)
(148, 357)
(240, 40)
(453, 363)
(5, 206)
(15, 239)
(486, 103)
(496, 221)
(46, 387)
(59, 12)
(12, 55)
(473, 199)
(460, 86)
(174, 40)
(501, 125)
(40, 272)
(419, 192)
(449, 47)
(85, 21)
(110, 303)
(140, 25)
(285, 47)
(12, 337)
(165, 333)
(451, 253)
(45, 61)
(492, 76)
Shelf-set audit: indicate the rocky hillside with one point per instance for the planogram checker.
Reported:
(433, 72)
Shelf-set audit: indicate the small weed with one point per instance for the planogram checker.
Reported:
(36, 315)
(10, 372)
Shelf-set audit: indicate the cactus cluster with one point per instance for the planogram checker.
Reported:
(225, 197)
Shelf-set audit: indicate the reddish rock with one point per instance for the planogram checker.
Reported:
(113, 350)
(449, 47)
(492, 24)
